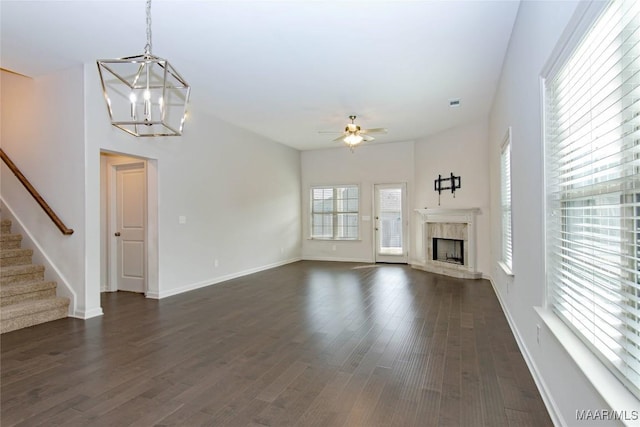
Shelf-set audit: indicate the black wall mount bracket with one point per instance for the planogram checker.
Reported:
(451, 183)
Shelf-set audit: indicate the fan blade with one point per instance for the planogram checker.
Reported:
(375, 130)
(340, 138)
(329, 131)
(366, 138)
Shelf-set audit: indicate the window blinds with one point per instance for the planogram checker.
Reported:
(593, 190)
(505, 194)
(334, 212)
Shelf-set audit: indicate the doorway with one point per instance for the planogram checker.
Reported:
(125, 224)
(390, 224)
(129, 245)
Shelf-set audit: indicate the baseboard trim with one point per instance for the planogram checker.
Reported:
(84, 315)
(337, 259)
(549, 403)
(216, 280)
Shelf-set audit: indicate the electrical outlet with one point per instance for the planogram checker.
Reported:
(333, 248)
(215, 263)
(538, 333)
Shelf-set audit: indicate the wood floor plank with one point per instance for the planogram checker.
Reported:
(362, 412)
(470, 394)
(273, 390)
(322, 410)
(305, 344)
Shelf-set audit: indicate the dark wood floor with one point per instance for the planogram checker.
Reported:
(307, 344)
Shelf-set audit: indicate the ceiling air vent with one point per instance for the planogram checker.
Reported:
(455, 102)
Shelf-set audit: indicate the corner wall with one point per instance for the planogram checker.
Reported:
(43, 133)
(462, 151)
(538, 28)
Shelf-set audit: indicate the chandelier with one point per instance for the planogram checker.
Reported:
(145, 95)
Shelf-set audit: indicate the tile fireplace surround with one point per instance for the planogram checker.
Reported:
(449, 224)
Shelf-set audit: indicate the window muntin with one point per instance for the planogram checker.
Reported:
(592, 168)
(334, 212)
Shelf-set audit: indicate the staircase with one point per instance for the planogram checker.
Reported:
(26, 299)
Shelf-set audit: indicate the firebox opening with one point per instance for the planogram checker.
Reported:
(448, 250)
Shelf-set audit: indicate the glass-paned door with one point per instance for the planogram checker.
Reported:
(390, 223)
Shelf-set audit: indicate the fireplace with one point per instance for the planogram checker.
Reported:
(448, 241)
(448, 250)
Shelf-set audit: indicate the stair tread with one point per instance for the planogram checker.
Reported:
(6, 237)
(32, 306)
(14, 270)
(22, 287)
(18, 252)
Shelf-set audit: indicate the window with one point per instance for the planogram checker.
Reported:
(592, 163)
(505, 196)
(334, 212)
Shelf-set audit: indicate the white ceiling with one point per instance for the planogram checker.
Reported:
(287, 69)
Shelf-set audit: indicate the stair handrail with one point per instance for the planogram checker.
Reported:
(34, 193)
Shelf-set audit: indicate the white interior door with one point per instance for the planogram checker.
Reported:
(390, 223)
(129, 235)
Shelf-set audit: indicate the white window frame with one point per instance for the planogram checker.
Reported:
(506, 217)
(598, 368)
(335, 213)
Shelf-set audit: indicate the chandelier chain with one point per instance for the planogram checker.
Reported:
(147, 48)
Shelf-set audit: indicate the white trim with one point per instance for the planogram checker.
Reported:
(338, 259)
(41, 257)
(606, 384)
(583, 18)
(203, 284)
(333, 187)
(505, 269)
(151, 236)
(397, 259)
(94, 312)
(318, 239)
(448, 214)
(550, 404)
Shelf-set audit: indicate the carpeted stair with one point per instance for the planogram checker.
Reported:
(26, 299)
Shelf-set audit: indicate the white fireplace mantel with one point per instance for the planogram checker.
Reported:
(451, 216)
(455, 215)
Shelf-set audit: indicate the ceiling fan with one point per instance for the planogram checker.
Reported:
(354, 135)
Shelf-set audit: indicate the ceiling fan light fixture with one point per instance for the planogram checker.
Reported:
(145, 95)
(353, 135)
(353, 139)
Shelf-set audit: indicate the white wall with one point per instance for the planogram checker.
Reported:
(43, 133)
(538, 27)
(465, 152)
(239, 192)
(367, 165)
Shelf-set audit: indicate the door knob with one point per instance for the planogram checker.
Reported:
(117, 234)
